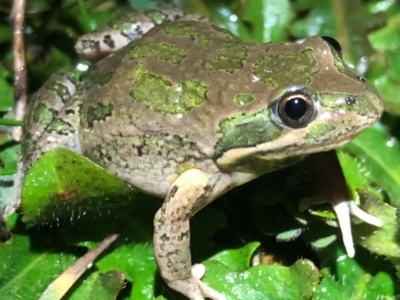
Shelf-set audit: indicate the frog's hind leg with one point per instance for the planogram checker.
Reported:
(190, 192)
(122, 30)
(43, 109)
(119, 32)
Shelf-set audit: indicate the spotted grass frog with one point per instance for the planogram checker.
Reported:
(186, 111)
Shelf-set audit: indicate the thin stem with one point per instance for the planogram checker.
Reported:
(17, 17)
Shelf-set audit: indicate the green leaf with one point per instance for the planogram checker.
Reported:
(30, 261)
(385, 74)
(380, 154)
(10, 122)
(8, 158)
(8, 161)
(104, 286)
(264, 281)
(363, 277)
(237, 259)
(7, 99)
(268, 19)
(384, 240)
(379, 38)
(61, 182)
(318, 20)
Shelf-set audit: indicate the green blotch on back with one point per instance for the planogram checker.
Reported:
(246, 130)
(166, 141)
(99, 113)
(284, 69)
(43, 115)
(60, 126)
(59, 88)
(186, 29)
(161, 51)
(28, 147)
(243, 99)
(61, 181)
(165, 97)
(229, 58)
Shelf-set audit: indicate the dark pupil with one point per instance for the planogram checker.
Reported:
(295, 108)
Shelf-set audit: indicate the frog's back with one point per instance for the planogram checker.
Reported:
(185, 94)
(160, 109)
(179, 80)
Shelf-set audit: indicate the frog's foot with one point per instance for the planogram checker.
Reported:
(343, 210)
(198, 271)
(194, 288)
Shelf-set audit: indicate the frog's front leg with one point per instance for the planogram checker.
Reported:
(189, 193)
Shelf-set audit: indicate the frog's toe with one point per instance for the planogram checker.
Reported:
(211, 293)
(198, 271)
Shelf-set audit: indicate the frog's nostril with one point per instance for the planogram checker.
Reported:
(351, 101)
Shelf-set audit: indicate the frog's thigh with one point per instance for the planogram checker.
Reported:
(190, 192)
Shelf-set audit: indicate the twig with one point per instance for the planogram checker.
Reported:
(17, 17)
(57, 289)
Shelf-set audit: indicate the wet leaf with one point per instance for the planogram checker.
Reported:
(31, 260)
(264, 281)
(380, 157)
(61, 182)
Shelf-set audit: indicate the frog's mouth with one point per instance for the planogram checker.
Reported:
(302, 150)
(302, 141)
(305, 145)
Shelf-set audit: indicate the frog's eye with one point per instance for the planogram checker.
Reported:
(334, 43)
(296, 109)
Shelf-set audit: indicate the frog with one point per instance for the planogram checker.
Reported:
(186, 111)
